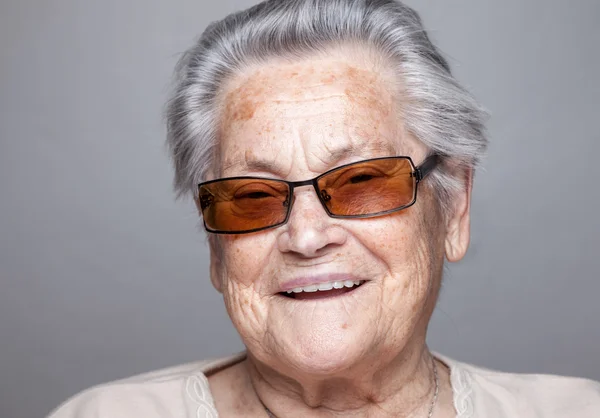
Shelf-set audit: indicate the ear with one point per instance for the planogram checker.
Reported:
(458, 228)
(215, 256)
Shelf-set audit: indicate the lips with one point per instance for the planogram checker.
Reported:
(320, 287)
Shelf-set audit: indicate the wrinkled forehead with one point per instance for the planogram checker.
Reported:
(327, 109)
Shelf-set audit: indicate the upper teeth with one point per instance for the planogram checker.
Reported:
(326, 286)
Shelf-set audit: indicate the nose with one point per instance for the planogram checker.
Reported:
(310, 232)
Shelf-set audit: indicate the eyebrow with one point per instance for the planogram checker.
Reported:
(353, 150)
(253, 165)
(335, 156)
(264, 165)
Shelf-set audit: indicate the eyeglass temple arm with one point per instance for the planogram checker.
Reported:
(427, 166)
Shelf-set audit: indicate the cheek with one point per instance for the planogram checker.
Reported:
(391, 239)
(243, 305)
(245, 257)
(403, 244)
(245, 262)
(245, 265)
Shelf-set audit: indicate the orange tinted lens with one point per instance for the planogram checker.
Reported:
(369, 187)
(243, 204)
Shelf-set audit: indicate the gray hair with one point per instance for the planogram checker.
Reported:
(438, 111)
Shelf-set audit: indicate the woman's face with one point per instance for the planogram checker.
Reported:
(293, 122)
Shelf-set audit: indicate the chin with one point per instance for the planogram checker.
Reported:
(326, 353)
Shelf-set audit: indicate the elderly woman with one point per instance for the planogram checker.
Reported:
(331, 156)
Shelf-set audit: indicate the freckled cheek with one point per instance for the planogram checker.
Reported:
(400, 245)
(246, 277)
(244, 307)
(390, 240)
(239, 296)
(245, 259)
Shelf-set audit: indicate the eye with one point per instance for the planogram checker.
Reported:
(254, 195)
(357, 176)
(256, 191)
(205, 201)
(360, 178)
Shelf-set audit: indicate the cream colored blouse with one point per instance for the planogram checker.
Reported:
(183, 392)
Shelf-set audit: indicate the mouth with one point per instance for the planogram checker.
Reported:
(323, 290)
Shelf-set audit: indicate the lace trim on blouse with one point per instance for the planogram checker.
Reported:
(198, 391)
(462, 392)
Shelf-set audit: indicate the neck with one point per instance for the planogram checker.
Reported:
(402, 386)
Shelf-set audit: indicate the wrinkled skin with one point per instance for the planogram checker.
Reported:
(365, 351)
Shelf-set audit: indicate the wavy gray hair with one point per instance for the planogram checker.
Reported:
(438, 110)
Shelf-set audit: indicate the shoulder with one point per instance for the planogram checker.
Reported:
(179, 391)
(533, 395)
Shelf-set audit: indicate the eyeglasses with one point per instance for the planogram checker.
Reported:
(364, 189)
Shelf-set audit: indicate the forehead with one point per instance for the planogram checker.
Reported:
(323, 110)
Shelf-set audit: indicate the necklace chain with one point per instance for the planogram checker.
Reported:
(433, 402)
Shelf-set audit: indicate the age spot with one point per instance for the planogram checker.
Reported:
(245, 111)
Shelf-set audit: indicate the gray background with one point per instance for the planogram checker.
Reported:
(103, 275)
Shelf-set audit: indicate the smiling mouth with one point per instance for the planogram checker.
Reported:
(323, 290)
